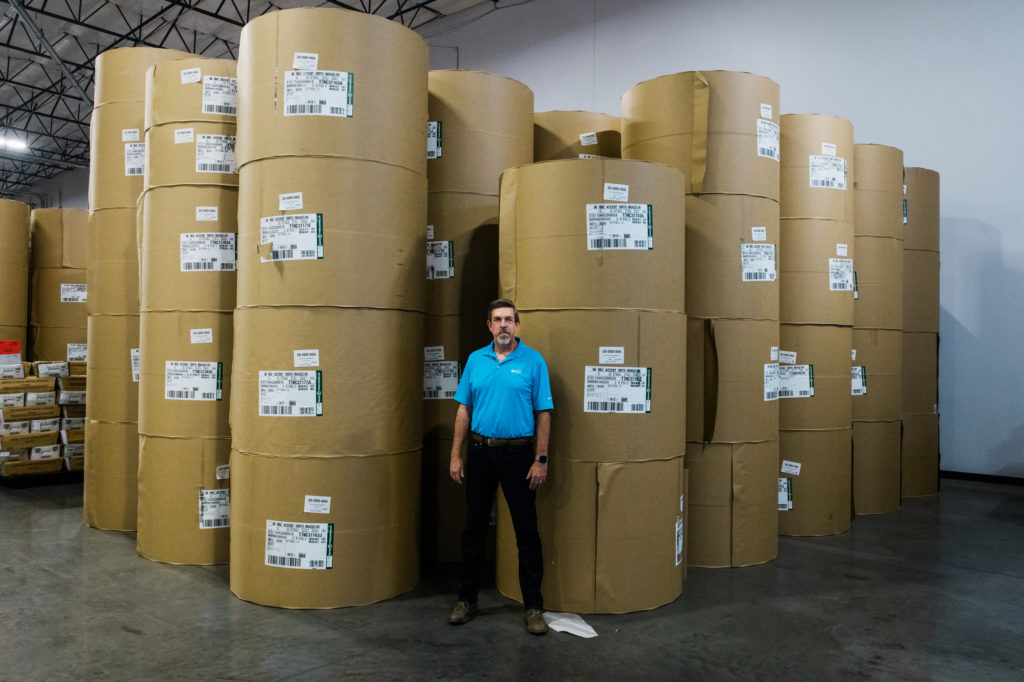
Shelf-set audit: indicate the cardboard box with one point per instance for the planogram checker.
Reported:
(821, 492)
(373, 252)
(733, 503)
(116, 154)
(612, 535)
(730, 364)
(44, 398)
(110, 494)
(827, 350)
(879, 270)
(811, 185)
(190, 152)
(74, 462)
(880, 353)
(706, 123)
(876, 467)
(51, 343)
(72, 411)
(183, 500)
(51, 451)
(632, 410)
(50, 368)
(31, 467)
(189, 248)
(72, 383)
(195, 89)
(360, 380)
(59, 238)
(12, 400)
(464, 228)
(29, 385)
(486, 126)
(28, 440)
(185, 382)
(816, 270)
(76, 368)
(72, 436)
(57, 301)
(920, 456)
(732, 251)
(9, 428)
(114, 387)
(448, 341)
(387, 100)
(368, 506)
(121, 73)
(20, 414)
(921, 209)
(920, 372)
(575, 135)
(114, 258)
(546, 242)
(920, 291)
(878, 191)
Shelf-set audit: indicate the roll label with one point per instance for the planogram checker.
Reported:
(771, 381)
(201, 335)
(208, 251)
(193, 380)
(588, 139)
(136, 360)
(440, 379)
(796, 381)
(184, 136)
(308, 546)
(767, 139)
(318, 93)
(191, 75)
(617, 389)
(292, 393)
(207, 214)
(299, 236)
(220, 95)
(215, 154)
(434, 139)
(440, 260)
(78, 352)
(828, 171)
(620, 227)
(74, 293)
(317, 504)
(840, 274)
(757, 262)
(214, 508)
(433, 353)
(858, 380)
(785, 494)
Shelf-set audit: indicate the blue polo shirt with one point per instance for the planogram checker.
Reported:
(504, 395)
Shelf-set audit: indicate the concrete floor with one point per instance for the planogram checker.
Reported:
(933, 592)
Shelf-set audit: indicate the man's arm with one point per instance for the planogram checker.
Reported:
(538, 472)
(456, 468)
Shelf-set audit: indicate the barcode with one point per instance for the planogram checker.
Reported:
(227, 266)
(272, 410)
(207, 396)
(431, 155)
(785, 393)
(199, 265)
(133, 171)
(314, 108)
(219, 109)
(431, 394)
(307, 410)
(823, 183)
(606, 406)
(637, 407)
(768, 151)
(771, 395)
(282, 254)
(320, 563)
(803, 394)
(842, 286)
(179, 395)
(290, 562)
(307, 253)
(214, 168)
(220, 522)
(754, 276)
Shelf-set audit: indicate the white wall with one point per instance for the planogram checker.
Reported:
(941, 79)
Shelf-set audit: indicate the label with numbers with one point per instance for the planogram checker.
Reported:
(440, 260)
(796, 381)
(317, 504)
(591, 156)
(771, 381)
(214, 508)
(759, 233)
(220, 95)
(187, 380)
(184, 136)
(617, 389)
(588, 139)
(201, 335)
(440, 379)
(78, 352)
(620, 226)
(828, 171)
(309, 357)
(215, 154)
(305, 61)
(790, 467)
(136, 361)
(130, 135)
(307, 546)
(191, 75)
(615, 192)
(299, 236)
(74, 293)
(840, 274)
(207, 214)
(766, 111)
(292, 393)
(611, 355)
(223, 472)
(679, 541)
(757, 262)
(773, 353)
(842, 250)
(828, 149)
(787, 357)
(858, 380)
(134, 158)
(434, 139)
(433, 353)
(208, 251)
(785, 494)
(318, 93)
(290, 201)
(767, 139)
(51, 369)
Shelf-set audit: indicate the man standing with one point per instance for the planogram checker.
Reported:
(504, 396)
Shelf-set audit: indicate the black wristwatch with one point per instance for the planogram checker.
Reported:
(543, 459)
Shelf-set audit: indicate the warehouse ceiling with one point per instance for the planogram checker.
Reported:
(48, 47)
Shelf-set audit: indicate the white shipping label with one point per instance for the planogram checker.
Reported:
(790, 467)
(220, 95)
(215, 154)
(223, 472)
(47, 398)
(766, 111)
(840, 274)
(13, 428)
(73, 449)
(773, 353)
(134, 158)
(318, 93)
(295, 393)
(440, 260)
(785, 494)
(767, 139)
(679, 541)
(191, 76)
(78, 352)
(587, 140)
(136, 363)
(12, 400)
(130, 135)
(208, 251)
(757, 262)
(184, 135)
(858, 380)
(290, 201)
(299, 236)
(214, 508)
(771, 381)
(309, 357)
(307, 546)
(45, 452)
(430, 231)
(440, 379)
(620, 226)
(68, 423)
(40, 425)
(591, 156)
(853, 354)
(193, 380)
(74, 293)
(434, 139)
(12, 371)
(614, 192)
(787, 357)
(828, 171)
(433, 353)
(201, 335)
(759, 233)
(611, 355)
(828, 149)
(796, 381)
(207, 214)
(51, 369)
(317, 504)
(842, 250)
(306, 61)
(617, 389)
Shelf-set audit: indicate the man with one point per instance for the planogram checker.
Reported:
(504, 396)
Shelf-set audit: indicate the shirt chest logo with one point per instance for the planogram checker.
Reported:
(516, 371)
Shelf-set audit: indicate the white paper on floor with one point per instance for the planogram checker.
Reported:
(569, 622)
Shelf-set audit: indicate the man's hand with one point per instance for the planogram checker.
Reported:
(456, 468)
(537, 474)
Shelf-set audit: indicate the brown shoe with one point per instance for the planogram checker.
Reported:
(462, 612)
(535, 623)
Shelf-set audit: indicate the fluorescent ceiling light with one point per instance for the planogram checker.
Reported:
(12, 143)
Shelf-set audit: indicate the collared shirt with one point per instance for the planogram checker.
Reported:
(504, 395)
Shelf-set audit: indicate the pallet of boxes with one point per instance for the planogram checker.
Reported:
(41, 430)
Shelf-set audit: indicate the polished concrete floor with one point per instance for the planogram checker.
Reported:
(932, 592)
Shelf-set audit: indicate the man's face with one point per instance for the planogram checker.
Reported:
(503, 325)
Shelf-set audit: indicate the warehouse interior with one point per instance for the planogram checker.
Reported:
(911, 587)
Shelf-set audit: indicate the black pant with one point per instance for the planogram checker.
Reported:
(486, 467)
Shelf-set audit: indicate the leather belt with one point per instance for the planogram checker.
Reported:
(500, 442)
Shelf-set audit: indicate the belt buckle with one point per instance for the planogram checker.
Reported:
(497, 442)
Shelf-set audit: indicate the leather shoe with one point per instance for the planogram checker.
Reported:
(462, 612)
(535, 623)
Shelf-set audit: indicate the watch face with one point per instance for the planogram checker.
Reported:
(543, 459)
